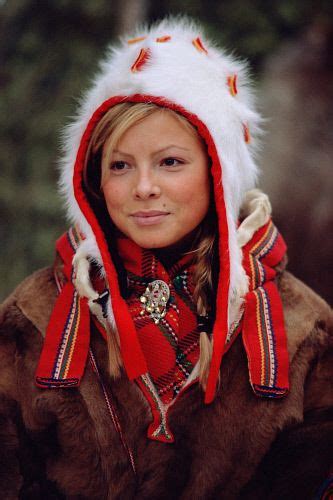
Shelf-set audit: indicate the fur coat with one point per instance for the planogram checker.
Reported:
(68, 442)
(63, 444)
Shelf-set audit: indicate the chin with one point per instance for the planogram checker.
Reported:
(150, 239)
(148, 244)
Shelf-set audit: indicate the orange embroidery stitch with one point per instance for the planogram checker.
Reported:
(163, 39)
(136, 40)
(141, 60)
(199, 45)
(232, 82)
(247, 136)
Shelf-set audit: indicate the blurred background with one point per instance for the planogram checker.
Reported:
(49, 51)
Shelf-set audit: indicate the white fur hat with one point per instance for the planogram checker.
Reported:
(174, 65)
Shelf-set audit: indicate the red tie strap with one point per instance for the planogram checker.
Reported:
(263, 329)
(66, 344)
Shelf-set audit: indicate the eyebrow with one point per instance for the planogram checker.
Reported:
(159, 151)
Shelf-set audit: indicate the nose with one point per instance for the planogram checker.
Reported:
(146, 185)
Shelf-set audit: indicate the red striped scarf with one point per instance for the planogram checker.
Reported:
(66, 345)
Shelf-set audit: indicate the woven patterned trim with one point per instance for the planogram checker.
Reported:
(258, 253)
(266, 338)
(158, 429)
(67, 345)
(112, 411)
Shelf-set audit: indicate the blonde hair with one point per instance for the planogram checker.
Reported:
(112, 126)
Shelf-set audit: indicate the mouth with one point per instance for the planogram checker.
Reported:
(149, 217)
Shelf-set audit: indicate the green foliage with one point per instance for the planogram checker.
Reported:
(253, 28)
(49, 49)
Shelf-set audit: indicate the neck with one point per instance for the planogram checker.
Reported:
(170, 254)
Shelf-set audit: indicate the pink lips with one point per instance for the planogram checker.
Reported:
(149, 217)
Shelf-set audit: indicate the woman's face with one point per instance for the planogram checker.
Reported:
(156, 181)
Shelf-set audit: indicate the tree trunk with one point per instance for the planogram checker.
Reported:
(130, 14)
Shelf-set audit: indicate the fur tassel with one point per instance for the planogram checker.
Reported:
(115, 361)
(83, 285)
(82, 281)
(256, 211)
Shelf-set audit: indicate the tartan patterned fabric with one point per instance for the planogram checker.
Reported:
(171, 347)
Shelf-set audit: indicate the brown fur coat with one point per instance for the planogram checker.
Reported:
(62, 443)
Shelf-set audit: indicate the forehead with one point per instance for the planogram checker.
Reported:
(163, 127)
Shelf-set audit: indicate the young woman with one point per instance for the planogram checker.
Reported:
(167, 353)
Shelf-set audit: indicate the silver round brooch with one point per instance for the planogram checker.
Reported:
(154, 300)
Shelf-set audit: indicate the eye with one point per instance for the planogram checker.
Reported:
(171, 162)
(118, 166)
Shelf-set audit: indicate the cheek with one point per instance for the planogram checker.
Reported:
(114, 195)
(115, 200)
(196, 192)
